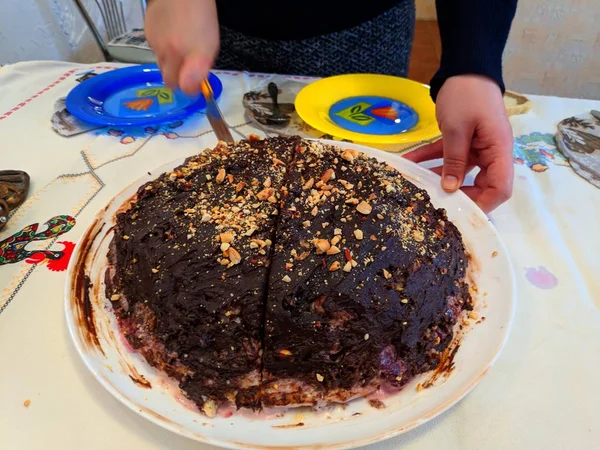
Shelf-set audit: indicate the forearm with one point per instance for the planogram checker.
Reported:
(473, 34)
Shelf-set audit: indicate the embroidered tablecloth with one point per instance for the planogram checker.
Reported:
(542, 393)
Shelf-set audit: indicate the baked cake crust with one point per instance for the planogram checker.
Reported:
(284, 272)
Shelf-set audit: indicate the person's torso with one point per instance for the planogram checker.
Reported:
(277, 20)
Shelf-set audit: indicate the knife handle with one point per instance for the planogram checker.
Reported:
(206, 89)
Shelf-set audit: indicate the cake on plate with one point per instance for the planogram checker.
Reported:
(284, 272)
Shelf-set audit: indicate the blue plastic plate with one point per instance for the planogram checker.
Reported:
(133, 96)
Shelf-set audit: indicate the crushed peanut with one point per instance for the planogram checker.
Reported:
(364, 208)
(221, 176)
(309, 184)
(322, 245)
(333, 250)
(334, 266)
(234, 256)
(226, 237)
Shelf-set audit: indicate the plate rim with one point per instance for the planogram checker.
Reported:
(78, 95)
(182, 431)
(400, 138)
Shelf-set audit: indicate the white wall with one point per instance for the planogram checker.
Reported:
(52, 30)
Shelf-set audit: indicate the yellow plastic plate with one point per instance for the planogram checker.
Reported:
(369, 108)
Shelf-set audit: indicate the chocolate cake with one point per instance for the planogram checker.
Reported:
(284, 272)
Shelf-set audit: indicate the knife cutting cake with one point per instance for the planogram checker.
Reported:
(283, 273)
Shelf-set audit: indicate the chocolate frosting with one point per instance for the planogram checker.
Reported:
(270, 263)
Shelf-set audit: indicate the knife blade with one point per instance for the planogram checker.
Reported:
(214, 115)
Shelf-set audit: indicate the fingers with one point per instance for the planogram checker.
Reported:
(169, 68)
(457, 144)
(194, 69)
(426, 152)
(498, 182)
(438, 170)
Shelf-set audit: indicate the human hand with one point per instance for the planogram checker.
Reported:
(475, 133)
(184, 35)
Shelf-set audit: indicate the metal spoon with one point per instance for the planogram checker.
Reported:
(277, 118)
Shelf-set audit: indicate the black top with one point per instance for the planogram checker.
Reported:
(473, 32)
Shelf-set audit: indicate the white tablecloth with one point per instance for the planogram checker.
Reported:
(543, 393)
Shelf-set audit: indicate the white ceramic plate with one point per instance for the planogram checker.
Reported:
(126, 375)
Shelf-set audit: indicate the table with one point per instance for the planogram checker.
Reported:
(542, 393)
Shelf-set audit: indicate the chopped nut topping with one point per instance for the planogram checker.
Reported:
(336, 239)
(322, 245)
(386, 274)
(226, 237)
(125, 237)
(346, 184)
(309, 184)
(265, 194)
(358, 234)
(303, 256)
(154, 270)
(328, 175)
(419, 236)
(404, 301)
(352, 201)
(473, 315)
(286, 279)
(364, 208)
(241, 185)
(334, 266)
(285, 352)
(306, 223)
(220, 176)
(225, 246)
(115, 297)
(347, 156)
(348, 267)
(333, 250)
(210, 408)
(320, 378)
(234, 256)
(367, 337)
